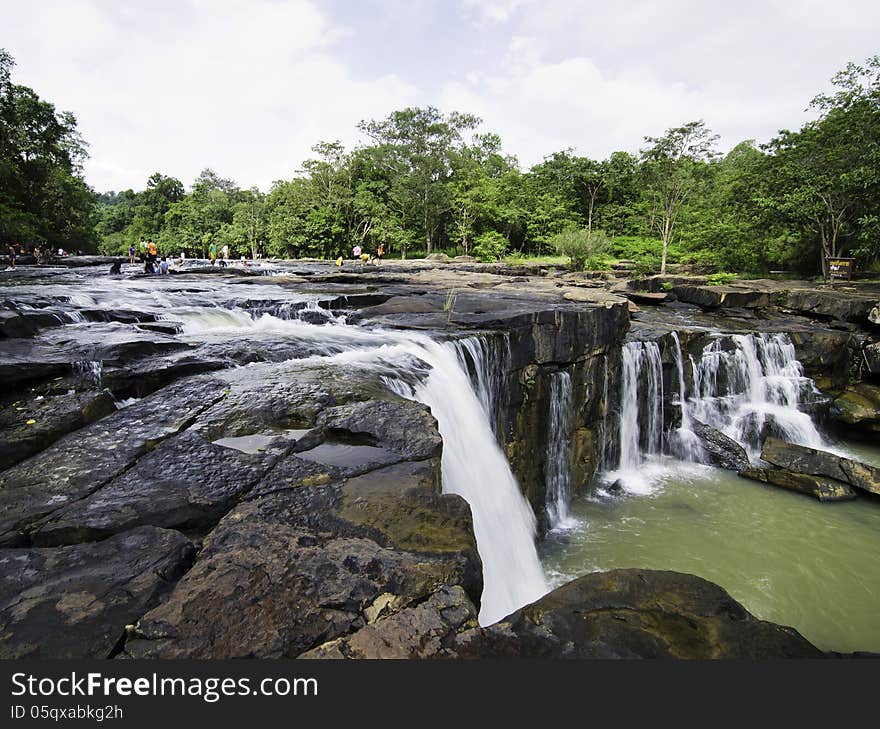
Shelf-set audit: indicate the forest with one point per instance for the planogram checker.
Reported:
(423, 181)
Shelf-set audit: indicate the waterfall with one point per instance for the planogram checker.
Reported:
(753, 389)
(685, 442)
(557, 467)
(486, 359)
(640, 430)
(460, 382)
(474, 467)
(641, 403)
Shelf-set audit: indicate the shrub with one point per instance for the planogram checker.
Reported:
(720, 278)
(489, 246)
(581, 246)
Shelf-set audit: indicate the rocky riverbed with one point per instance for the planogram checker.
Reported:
(218, 464)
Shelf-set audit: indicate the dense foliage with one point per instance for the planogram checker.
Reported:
(43, 197)
(423, 181)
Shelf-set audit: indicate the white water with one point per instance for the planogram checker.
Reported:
(744, 385)
(641, 415)
(557, 467)
(755, 387)
(474, 467)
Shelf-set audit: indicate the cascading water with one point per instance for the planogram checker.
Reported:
(641, 413)
(557, 467)
(486, 359)
(753, 388)
(685, 442)
(474, 467)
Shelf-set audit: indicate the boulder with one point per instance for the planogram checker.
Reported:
(426, 630)
(437, 258)
(801, 459)
(636, 613)
(405, 427)
(824, 489)
(290, 571)
(713, 297)
(719, 449)
(858, 406)
(75, 602)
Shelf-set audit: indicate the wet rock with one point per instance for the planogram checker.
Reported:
(821, 463)
(53, 417)
(185, 483)
(859, 406)
(635, 613)
(74, 602)
(290, 571)
(719, 449)
(15, 323)
(404, 427)
(83, 461)
(820, 487)
(427, 630)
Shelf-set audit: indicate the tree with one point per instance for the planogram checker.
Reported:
(43, 197)
(672, 165)
(827, 174)
(416, 146)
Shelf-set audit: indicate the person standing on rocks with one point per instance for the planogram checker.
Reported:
(212, 253)
(356, 253)
(380, 251)
(131, 254)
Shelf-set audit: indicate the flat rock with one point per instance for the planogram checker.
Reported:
(284, 573)
(53, 417)
(801, 459)
(75, 602)
(83, 461)
(186, 482)
(820, 487)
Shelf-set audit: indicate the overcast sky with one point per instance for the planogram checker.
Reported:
(246, 88)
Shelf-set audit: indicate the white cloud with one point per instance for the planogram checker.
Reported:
(248, 87)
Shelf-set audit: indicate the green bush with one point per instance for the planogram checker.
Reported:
(582, 246)
(489, 246)
(721, 278)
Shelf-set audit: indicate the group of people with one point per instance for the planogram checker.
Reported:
(14, 251)
(361, 257)
(149, 255)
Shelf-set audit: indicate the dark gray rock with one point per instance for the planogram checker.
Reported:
(801, 459)
(82, 462)
(53, 417)
(291, 571)
(75, 602)
(185, 483)
(636, 613)
(427, 630)
(405, 427)
(719, 449)
(824, 489)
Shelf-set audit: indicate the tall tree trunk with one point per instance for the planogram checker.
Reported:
(666, 234)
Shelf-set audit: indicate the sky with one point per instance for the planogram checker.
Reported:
(247, 88)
